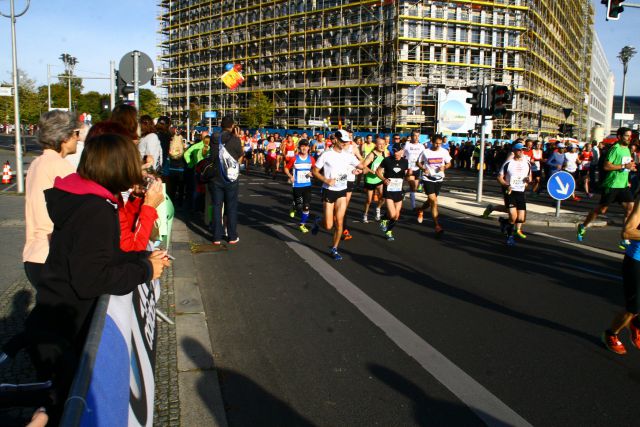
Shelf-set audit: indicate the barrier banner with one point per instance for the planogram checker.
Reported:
(114, 385)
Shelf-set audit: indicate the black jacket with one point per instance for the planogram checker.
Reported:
(84, 262)
(233, 145)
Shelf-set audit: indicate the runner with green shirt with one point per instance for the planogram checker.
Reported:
(615, 186)
(372, 183)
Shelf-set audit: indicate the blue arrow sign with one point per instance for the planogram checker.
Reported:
(561, 185)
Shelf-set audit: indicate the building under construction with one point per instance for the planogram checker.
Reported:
(378, 65)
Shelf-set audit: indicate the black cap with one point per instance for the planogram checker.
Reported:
(303, 142)
(396, 146)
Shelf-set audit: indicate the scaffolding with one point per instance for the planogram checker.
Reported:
(377, 65)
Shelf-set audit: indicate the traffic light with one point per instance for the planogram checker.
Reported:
(614, 9)
(499, 97)
(475, 100)
(122, 88)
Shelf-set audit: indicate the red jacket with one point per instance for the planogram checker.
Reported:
(136, 223)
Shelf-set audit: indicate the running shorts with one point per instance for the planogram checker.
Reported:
(372, 186)
(350, 186)
(431, 187)
(516, 199)
(396, 196)
(631, 284)
(331, 196)
(302, 197)
(536, 174)
(615, 195)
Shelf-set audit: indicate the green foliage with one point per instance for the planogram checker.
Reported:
(149, 103)
(259, 112)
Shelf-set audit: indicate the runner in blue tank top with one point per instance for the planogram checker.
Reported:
(298, 169)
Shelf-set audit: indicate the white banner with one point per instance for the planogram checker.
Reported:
(454, 114)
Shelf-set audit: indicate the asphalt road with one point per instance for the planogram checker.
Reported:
(457, 331)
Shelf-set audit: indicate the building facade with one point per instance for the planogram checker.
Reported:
(379, 65)
(600, 93)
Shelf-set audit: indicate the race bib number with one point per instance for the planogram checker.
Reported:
(395, 184)
(303, 177)
(341, 180)
(535, 166)
(517, 183)
(290, 153)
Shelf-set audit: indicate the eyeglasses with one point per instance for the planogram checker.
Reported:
(77, 132)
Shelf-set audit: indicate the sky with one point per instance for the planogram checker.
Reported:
(96, 32)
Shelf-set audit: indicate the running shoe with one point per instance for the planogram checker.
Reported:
(303, 228)
(389, 235)
(235, 241)
(487, 211)
(503, 225)
(439, 229)
(365, 218)
(316, 226)
(378, 214)
(634, 334)
(346, 235)
(623, 244)
(576, 198)
(383, 225)
(292, 213)
(420, 189)
(511, 241)
(520, 234)
(581, 230)
(336, 256)
(420, 217)
(613, 343)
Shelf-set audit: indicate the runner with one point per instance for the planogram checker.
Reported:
(372, 182)
(586, 156)
(514, 176)
(412, 151)
(298, 169)
(337, 164)
(631, 285)
(392, 172)
(433, 162)
(319, 146)
(615, 186)
(352, 148)
(288, 148)
(536, 167)
(272, 154)
(571, 162)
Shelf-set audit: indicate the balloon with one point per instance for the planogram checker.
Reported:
(228, 67)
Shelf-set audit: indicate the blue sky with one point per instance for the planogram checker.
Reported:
(96, 32)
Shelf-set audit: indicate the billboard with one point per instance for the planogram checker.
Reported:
(454, 114)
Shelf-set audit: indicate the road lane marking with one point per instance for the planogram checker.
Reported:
(577, 245)
(12, 186)
(481, 401)
(596, 272)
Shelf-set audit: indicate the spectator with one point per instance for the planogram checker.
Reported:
(74, 158)
(85, 260)
(59, 131)
(126, 116)
(149, 146)
(220, 189)
(193, 156)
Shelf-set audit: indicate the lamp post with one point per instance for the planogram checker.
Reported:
(625, 56)
(69, 64)
(16, 99)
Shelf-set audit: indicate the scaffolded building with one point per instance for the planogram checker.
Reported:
(378, 65)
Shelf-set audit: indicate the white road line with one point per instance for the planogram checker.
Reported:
(481, 401)
(596, 272)
(12, 186)
(585, 247)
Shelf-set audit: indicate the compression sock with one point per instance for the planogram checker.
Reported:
(391, 224)
(510, 228)
(304, 217)
(412, 197)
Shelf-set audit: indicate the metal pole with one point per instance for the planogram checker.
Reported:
(112, 81)
(70, 72)
(210, 105)
(188, 106)
(624, 87)
(49, 86)
(557, 208)
(481, 164)
(136, 78)
(16, 103)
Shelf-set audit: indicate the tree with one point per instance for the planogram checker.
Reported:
(195, 113)
(259, 112)
(149, 103)
(30, 108)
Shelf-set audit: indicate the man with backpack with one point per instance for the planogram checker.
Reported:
(226, 154)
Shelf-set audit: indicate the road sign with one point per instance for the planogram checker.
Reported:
(210, 114)
(620, 116)
(145, 68)
(561, 185)
(567, 112)
(6, 91)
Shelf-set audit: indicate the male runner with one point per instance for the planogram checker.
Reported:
(514, 176)
(298, 169)
(372, 182)
(412, 151)
(433, 162)
(351, 147)
(337, 164)
(615, 186)
(392, 172)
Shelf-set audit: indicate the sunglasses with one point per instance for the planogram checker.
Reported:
(76, 132)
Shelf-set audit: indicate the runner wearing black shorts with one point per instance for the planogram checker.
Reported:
(514, 176)
(392, 171)
(628, 318)
(433, 162)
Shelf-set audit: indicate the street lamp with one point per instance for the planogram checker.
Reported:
(69, 64)
(625, 56)
(16, 100)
